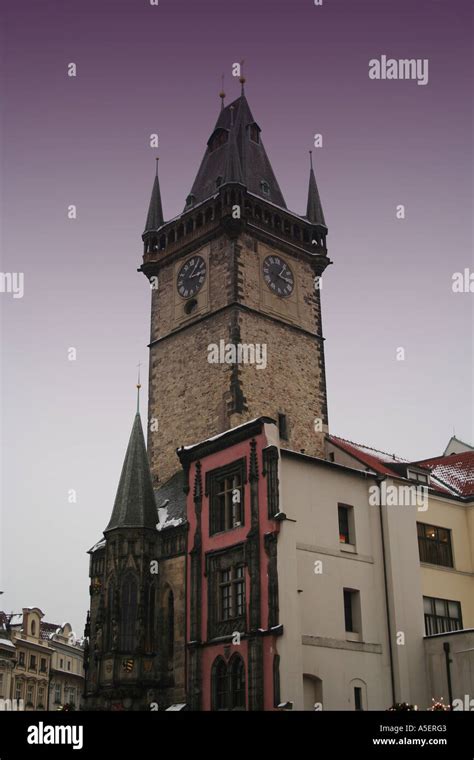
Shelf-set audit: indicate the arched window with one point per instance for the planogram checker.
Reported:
(129, 614)
(33, 628)
(237, 683)
(220, 691)
(312, 692)
(228, 684)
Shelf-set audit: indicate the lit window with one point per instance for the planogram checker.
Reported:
(346, 524)
(434, 545)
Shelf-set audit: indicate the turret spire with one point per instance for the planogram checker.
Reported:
(135, 505)
(155, 210)
(314, 209)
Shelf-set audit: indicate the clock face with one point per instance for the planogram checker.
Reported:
(278, 276)
(191, 277)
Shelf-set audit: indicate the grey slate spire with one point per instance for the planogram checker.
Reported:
(135, 505)
(314, 209)
(236, 153)
(233, 169)
(155, 210)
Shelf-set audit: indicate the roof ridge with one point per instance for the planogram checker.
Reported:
(371, 448)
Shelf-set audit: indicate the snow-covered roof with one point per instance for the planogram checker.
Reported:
(99, 545)
(166, 520)
(219, 435)
(452, 475)
(456, 471)
(7, 643)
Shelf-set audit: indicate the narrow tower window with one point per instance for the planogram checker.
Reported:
(283, 426)
(129, 614)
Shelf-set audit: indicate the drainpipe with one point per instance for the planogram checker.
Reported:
(380, 479)
(448, 659)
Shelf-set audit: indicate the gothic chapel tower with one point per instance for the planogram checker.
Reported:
(235, 268)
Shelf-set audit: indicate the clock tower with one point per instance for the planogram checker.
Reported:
(236, 329)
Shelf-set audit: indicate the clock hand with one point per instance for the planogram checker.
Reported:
(281, 275)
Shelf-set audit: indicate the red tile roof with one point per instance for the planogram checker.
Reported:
(379, 461)
(453, 474)
(455, 470)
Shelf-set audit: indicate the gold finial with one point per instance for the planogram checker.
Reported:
(242, 79)
(222, 93)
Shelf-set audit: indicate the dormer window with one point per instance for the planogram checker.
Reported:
(218, 138)
(265, 187)
(190, 200)
(254, 133)
(219, 181)
(420, 477)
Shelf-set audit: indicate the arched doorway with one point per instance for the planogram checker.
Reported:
(312, 692)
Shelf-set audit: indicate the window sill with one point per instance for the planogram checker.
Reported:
(437, 566)
(226, 530)
(353, 636)
(348, 548)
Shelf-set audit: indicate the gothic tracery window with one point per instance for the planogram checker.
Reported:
(228, 684)
(129, 614)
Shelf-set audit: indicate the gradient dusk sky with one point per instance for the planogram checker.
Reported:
(143, 69)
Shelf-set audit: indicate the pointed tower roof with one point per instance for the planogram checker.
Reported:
(155, 210)
(314, 209)
(235, 153)
(233, 167)
(135, 505)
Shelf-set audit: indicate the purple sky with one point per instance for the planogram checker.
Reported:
(84, 141)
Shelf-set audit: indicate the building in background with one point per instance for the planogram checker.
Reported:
(67, 668)
(45, 655)
(33, 659)
(7, 660)
(455, 446)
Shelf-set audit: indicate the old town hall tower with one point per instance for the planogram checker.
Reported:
(236, 335)
(236, 326)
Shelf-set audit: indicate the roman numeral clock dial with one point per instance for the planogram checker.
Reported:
(278, 276)
(191, 277)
